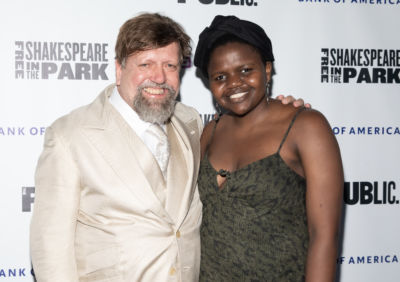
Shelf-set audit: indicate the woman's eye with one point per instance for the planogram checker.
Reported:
(219, 77)
(246, 70)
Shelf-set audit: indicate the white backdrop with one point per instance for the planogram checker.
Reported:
(342, 56)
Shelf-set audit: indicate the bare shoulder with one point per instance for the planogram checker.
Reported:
(306, 121)
(312, 130)
(282, 112)
(311, 120)
(206, 136)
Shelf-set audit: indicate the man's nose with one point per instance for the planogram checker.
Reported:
(158, 74)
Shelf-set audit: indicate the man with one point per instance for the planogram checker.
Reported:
(110, 203)
(103, 210)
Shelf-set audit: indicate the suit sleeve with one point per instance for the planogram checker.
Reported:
(55, 212)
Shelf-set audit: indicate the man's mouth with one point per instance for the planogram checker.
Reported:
(154, 91)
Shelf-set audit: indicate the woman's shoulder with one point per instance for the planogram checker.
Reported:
(311, 124)
(206, 136)
(284, 113)
(287, 112)
(312, 118)
(209, 127)
(304, 122)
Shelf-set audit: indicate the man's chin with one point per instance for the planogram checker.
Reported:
(155, 119)
(154, 110)
(156, 114)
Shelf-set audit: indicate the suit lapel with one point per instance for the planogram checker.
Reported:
(177, 173)
(128, 156)
(187, 132)
(148, 164)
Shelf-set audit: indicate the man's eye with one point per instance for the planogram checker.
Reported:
(143, 65)
(172, 66)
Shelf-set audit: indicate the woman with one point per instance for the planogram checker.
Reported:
(271, 175)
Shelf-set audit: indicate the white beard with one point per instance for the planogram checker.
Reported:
(154, 112)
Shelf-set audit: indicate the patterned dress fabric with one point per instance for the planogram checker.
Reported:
(255, 227)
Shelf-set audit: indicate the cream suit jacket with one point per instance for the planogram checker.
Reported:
(96, 214)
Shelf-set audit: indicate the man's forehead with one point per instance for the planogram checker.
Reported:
(171, 51)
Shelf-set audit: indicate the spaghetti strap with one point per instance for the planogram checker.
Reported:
(290, 126)
(212, 134)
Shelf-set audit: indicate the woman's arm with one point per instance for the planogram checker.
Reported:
(320, 157)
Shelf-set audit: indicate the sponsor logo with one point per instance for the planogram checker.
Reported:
(60, 60)
(369, 66)
(22, 131)
(371, 2)
(366, 130)
(370, 193)
(382, 259)
(206, 118)
(28, 197)
(15, 272)
(226, 2)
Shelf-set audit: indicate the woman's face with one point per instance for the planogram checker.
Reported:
(238, 77)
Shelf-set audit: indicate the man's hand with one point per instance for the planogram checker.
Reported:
(290, 99)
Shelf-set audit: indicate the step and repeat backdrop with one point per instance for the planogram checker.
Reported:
(342, 56)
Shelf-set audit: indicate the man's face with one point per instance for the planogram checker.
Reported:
(149, 82)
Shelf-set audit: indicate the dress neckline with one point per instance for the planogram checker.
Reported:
(242, 167)
(233, 172)
(227, 173)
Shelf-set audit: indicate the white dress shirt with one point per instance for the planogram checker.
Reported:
(132, 118)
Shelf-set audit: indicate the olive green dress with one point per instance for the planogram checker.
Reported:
(255, 228)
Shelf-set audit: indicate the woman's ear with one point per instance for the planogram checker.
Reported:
(268, 70)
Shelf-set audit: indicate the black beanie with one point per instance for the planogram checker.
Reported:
(249, 32)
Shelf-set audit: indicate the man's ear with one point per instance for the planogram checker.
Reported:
(268, 70)
(118, 73)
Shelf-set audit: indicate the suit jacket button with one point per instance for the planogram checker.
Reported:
(178, 234)
(172, 271)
